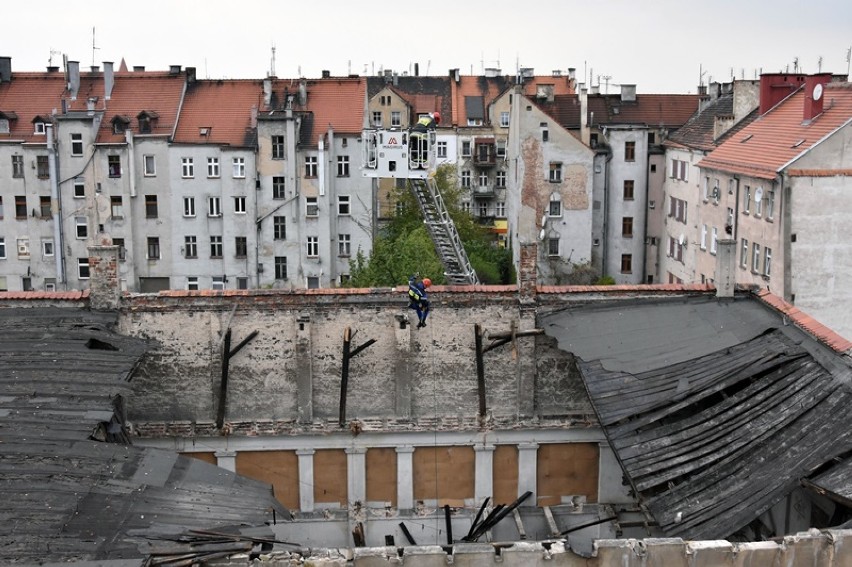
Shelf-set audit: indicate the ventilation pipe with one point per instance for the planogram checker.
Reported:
(55, 206)
(109, 79)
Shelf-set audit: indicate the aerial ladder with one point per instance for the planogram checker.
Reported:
(410, 155)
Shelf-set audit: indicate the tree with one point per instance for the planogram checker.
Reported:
(403, 247)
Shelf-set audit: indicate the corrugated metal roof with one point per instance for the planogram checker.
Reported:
(66, 493)
(715, 409)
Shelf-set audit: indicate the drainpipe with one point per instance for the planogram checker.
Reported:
(605, 243)
(56, 208)
(645, 218)
(131, 165)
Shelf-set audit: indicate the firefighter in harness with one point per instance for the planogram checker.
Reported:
(417, 298)
(419, 141)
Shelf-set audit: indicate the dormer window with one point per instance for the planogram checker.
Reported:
(120, 124)
(147, 119)
(39, 125)
(6, 121)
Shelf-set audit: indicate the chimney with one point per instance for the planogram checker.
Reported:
(702, 90)
(267, 92)
(73, 78)
(814, 97)
(95, 69)
(174, 69)
(726, 267)
(417, 69)
(628, 93)
(303, 92)
(52, 69)
(572, 73)
(138, 68)
(5, 69)
(190, 75)
(109, 80)
(454, 75)
(326, 74)
(775, 87)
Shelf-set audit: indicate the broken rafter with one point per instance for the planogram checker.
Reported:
(227, 354)
(348, 353)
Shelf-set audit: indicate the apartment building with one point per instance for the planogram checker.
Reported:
(780, 187)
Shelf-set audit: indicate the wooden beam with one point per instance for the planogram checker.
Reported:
(407, 533)
(519, 524)
(449, 523)
(509, 334)
(480, 370)
(551, 521)
(223, 383)
(344, 376)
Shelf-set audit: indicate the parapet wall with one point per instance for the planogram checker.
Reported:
(829, 548)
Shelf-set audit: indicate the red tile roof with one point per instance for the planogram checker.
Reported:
(29, 95)
(490, 88)
(224, 108)
(809, 324)
(766, 145)
(654, 110)
(336, 102)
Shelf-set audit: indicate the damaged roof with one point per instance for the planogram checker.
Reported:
(716, 409)
(72, 487)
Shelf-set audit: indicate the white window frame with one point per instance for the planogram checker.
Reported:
(396, 119)
(189, 207)
(214, 207)
(554, 206)
(770, 204)
(311, 167)
(343, 166)
(212, 167)
(714, 240)
(217, 283)
(83, 264)
(466, 148)
(240, 205)
(312, 247)
(238, 167)
(344, 205)
(116, 210)
(2, 247)
(767, 261)
(23, 245)
(312, 207)
(442, 149)
(704, 237)
(555, 172)
(81, 228)
(149, 166)
(744, 251)
(504, 119)
(755, 257)
(747, 200)
(190, 246)
(217, 246)
(76, 145)
(344, 245)
(192, 283)
(187, 168)
(79, 189)
(148, 248)
(47, 248)
(500, 209)
(465, 178)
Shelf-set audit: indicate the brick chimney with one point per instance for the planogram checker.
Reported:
(726, 267)
(527, 272)
(104, 285)
(5, 69)
(775, 87)
(814, 96)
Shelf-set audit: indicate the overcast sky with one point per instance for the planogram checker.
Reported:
(660, 45)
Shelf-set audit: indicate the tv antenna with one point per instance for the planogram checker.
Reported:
(606, 79)
(94, 47)
(52, 53)
(272, 62)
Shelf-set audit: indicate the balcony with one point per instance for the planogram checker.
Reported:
(483, 191)
(484, 152)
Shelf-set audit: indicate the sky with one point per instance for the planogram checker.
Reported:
(661, 46)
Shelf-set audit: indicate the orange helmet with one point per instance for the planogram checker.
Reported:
(437, 116)
(427, 282)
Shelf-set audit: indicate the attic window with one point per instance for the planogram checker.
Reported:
(119, 124)
(38, 127)
(747, 138)
(204, 131)
(146, 120)
(799, 143)
(616, 110)
(4, 125)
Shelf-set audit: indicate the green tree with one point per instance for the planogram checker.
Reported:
(403, 247)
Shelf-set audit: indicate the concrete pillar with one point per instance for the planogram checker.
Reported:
(528, 471)
(306, 479)
(402, 366)
(484, 475)
(525, 363)
(527, 276)
(104, 286)
(611, 483)
(227, 460)
(356, 472)
(726, 267)
(405, 477)
(304, 368)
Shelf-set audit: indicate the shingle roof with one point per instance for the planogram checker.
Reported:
(223, 108)
(699, 131)
(72, 488)
(763, 147)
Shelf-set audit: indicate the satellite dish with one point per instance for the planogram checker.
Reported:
(817, 91)
(758, 195)
(543, 220)
(681, 239)
(541, 235)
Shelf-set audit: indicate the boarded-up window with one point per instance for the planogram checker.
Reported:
(381, 475)
(330, 479)
(567, 469)
(278, 468)
(505, 474)
(445, 474)
(206, 457)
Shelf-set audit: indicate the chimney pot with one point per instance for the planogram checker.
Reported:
(138, 68)
(326, 74)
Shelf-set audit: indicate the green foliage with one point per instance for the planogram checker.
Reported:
(404, 247)
(605, 280)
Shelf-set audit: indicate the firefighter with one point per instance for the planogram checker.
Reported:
(418, 299)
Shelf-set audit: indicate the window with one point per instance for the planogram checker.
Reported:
(311, 207)
(190, 247)
(465, 178)
(626, 263)
(714, 240)
(652, 138)
(442, 149)
(629, 151)
(767, 261)
(39, 128)
(49, 284)
(343, 205)
(240, 205)
(83, 268)
(279, 228)
(23, 247)
(501, 148)
(483, 180)
(504, 119)
(241, 246)
(483, 208)
(153, 248)
(677, 209)
(17, 166)
(149, 166)
(553, 246)
(242, 282)
(214, 207)
(675, 249)
(717, 193)
(313, 247)
(627, 227)
(555, 172)
(114, 166)
(706, 188)
(116, 206)
(747, 200)
(2, 247)
(238, 169)
(1, 207)
(679, 170)
(729, 222)
(213, 167)
(396, 118)
(744, 253)
(218, 283)
(122, 251)
(277, 187)
(21, 207)
(755, 257)
(215, 246)
(704, 237)
(758, 202)
(500, 209)
(343, 166)
(150, 206)
(79, 189)
(44, 207)
(377, 119)
(3, 285)
(47, 248)
(466, 206)
(192, 283)
(344, 245)
(500, 179)
(465, 149)
(554, 207)
(627, 193)
(189, 206)
(76, 145)
(770, 205)
(187, 168)
(42, 167)
(277, 147)
(310, 166)
(545, 135)
(280, 267)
